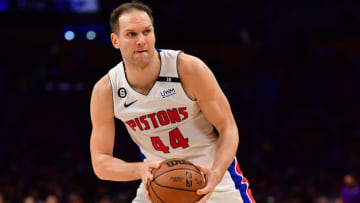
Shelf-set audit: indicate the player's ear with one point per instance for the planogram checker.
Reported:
(115, 40)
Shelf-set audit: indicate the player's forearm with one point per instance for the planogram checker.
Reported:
(226, 148)
(107, 167)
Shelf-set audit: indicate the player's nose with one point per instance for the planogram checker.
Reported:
(141, 40)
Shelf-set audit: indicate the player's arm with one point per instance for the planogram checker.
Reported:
(200, 84)
(106, 166)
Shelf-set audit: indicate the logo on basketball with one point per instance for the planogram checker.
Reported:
(176, 179)
(188, 179)
(176, 162)
(198, 181)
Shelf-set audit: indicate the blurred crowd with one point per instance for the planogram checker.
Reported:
(290, 71)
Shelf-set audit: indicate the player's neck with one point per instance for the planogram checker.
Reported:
(142, 78)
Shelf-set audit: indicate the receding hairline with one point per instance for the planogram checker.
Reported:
(134, 10)
(147, 25)
(128, 8)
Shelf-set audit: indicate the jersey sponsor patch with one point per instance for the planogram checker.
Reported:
(167, 92)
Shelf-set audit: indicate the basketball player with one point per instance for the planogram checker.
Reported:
(169, 102)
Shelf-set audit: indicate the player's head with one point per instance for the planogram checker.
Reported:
(127, 7)
(133, 32)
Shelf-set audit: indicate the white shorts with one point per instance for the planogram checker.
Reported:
(216, 197)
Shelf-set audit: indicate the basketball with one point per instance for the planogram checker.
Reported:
(176, 181)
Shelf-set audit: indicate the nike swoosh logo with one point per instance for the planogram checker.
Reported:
(129, 104)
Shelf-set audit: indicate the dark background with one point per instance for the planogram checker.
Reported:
(290, 70)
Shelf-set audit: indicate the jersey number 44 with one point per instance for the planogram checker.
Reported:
(176, 140)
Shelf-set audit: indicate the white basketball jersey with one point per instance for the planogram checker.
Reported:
(165, 123)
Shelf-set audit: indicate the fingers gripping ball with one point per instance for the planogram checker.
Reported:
(176, 181)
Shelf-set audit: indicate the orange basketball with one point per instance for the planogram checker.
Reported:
(176, 181)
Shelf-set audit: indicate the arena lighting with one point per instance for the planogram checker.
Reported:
(90, 35)
(69, 35)
(4, 5)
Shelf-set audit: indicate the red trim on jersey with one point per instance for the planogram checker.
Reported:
(244, 181)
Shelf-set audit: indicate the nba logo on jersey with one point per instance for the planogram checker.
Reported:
(168, 92)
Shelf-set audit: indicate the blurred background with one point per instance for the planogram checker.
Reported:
(290, 70)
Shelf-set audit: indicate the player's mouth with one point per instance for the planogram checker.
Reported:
(140, 51)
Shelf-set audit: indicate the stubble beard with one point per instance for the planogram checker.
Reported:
(143, 61)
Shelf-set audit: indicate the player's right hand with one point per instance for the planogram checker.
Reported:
(147, 167)
(212, 179)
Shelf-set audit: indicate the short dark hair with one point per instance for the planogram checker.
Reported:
(126, 7)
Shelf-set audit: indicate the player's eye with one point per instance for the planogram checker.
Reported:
(131, 34)
(147, 31)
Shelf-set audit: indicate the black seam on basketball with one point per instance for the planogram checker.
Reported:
(156, 193)
(175, 170)
(175, 188)
(155, 170)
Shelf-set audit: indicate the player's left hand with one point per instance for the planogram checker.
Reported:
(212, 179)
(147, 167)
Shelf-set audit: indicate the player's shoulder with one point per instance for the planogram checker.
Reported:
(192, 71)
(189, 64)
(103, 85)
(189, 60)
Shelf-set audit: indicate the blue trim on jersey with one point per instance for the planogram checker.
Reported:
(237, 178)
(143, 157)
